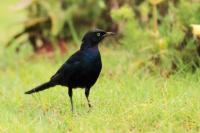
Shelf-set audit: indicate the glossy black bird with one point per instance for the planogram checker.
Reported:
(82, 69)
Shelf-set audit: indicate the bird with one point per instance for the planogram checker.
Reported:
(82, 68)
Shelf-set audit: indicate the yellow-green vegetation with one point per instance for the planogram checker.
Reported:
(125, 98)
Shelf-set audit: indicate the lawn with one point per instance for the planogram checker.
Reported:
(124, 100)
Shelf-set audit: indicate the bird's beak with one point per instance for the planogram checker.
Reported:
(109, 34)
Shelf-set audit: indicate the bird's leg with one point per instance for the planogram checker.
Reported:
(87, 93)
(70, 93)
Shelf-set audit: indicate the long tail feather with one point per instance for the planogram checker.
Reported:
(41, 87)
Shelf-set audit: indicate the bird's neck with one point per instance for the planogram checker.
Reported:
(89, 46)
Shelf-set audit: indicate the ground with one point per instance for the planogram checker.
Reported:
(124, 100)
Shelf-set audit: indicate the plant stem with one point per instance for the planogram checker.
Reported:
(155, 18)
(73, 31)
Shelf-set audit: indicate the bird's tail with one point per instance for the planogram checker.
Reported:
(41, 87)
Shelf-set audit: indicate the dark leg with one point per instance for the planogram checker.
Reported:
(70, 93)
(87, 93)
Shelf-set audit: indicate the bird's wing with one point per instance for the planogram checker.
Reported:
(71, 65)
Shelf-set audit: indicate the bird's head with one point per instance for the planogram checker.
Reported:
(94, 37)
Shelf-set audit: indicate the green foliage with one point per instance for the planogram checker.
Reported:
(133, 37)
(141, 38)
(171, 28)
(53, 20)
(123, 13)
(188, 12)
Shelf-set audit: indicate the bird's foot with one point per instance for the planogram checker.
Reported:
(90, 106)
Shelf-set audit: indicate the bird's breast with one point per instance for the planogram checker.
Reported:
(92, 69)
(88, 72)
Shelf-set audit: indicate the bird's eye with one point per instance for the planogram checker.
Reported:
(98, 34)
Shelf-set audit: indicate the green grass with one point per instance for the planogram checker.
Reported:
(123, 100)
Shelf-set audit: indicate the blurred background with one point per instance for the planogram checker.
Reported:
(161, 34)
(151, 62)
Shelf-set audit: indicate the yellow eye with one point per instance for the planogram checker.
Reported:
(98, 34)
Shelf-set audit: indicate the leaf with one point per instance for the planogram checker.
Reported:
(56, 15)
(22, 5)
(34, 21)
